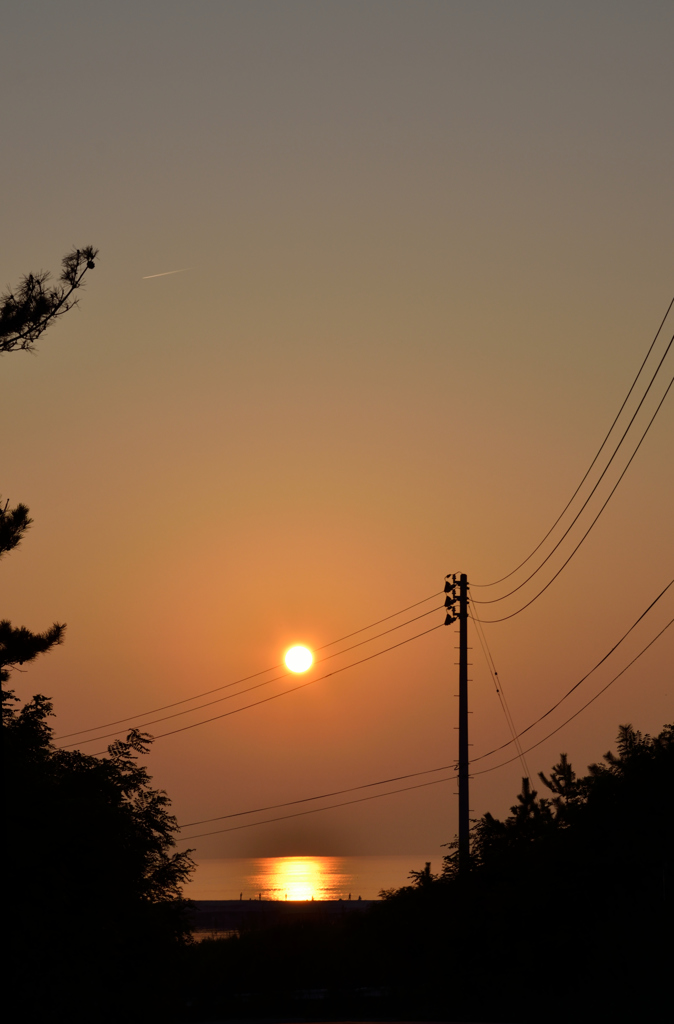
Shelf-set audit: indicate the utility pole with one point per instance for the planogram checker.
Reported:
(461, 613)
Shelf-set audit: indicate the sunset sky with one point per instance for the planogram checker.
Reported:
(424, 249)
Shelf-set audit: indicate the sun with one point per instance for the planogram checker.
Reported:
(298, 659)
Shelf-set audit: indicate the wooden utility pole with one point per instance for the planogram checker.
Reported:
(464, 804)
(457, 610)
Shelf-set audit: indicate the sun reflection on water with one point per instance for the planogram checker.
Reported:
(298, 878)
(278, 878)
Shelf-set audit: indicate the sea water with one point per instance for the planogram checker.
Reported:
(303, 878)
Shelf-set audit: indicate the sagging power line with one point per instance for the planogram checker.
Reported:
(504, 618)
(503, 597)
(283, 693)
(454, 766)
(484, 771)
(257, 686)
(494, 583)
(500, 692)
(255, 675)
(406, 789)
(458, 604)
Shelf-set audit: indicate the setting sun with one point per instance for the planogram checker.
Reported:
(298, 659)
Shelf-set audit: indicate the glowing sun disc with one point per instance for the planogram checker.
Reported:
(298, 659)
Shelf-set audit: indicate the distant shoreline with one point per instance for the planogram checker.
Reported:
(232, 916)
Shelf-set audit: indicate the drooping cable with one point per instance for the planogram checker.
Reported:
(586, 676)
(484, 771)
(589, 469)
(429, 771)
(265, 682)
(422, 785)
(314, 810)
(245, 679)
(504, 618)
(500, 692)
(386, 618)
(320, 796)
(573, 522)
(284, 693)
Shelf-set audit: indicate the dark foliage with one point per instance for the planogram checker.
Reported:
(91, 889)
(565, 916)
(17, 644)
(27, 312)
(13, 524)
(93, 916)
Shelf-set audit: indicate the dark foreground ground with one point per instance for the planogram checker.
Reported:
(427, 959)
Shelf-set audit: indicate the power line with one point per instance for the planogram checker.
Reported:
(500, 693)
(587, 473)
(245, 679)
(495, 600)
(421, 785)
(429, 771)
(586, 676)
(283, 693)
(249, 689)
(314, 810)
(615, 487)
(379, 621)
(416, 604)
(484, 771)
(321, 796)
(393, 647)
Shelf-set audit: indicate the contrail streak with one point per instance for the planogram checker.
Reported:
(165, 274)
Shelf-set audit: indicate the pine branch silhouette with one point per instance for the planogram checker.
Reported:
(25, 314)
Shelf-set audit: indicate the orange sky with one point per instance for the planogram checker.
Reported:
(429, 245)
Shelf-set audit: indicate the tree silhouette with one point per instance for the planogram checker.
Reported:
(17, 644)
(568, 789)
(24, 316)
(13, 524)
(92, 888)
(26, 313)
(564, 916)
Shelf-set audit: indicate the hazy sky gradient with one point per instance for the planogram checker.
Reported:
(429, 244)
